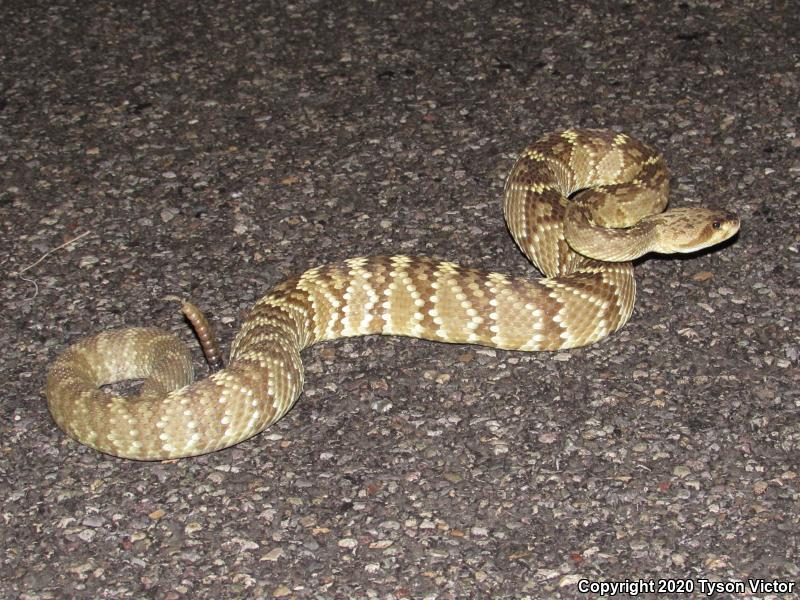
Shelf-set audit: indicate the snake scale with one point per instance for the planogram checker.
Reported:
(580, 204)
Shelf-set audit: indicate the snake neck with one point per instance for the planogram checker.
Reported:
(612, 244)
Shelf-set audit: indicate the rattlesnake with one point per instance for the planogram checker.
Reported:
(580, 301)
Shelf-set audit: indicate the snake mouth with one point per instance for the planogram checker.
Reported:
(695, 229)
(722, 226)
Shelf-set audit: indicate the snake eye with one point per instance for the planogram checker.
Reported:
(716, 225)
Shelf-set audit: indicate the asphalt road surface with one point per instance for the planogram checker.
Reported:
(210, 150)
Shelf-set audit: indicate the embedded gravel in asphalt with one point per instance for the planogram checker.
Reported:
(210, 150)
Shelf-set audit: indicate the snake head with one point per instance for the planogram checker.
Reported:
(683, 230)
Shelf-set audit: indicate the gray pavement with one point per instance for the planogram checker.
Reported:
(210, 150)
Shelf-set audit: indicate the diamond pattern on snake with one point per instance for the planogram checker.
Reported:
(580, 204)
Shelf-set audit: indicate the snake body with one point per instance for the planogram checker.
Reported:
(570, 196)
